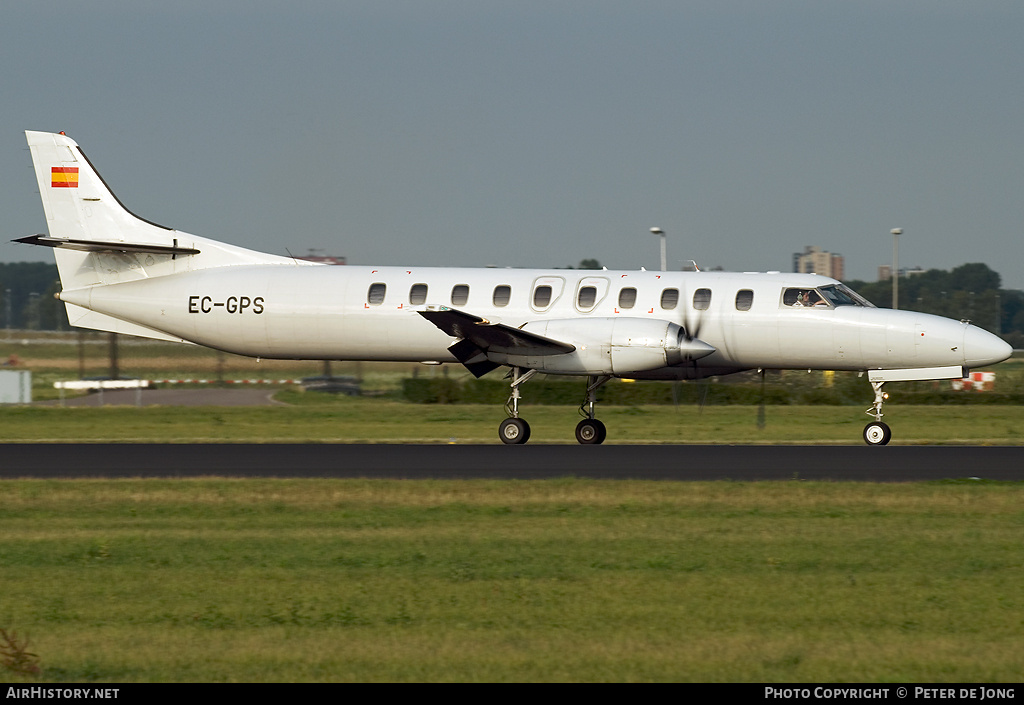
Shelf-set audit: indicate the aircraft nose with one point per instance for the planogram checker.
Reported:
(982, 348)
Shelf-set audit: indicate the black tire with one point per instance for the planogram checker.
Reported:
(514, 432)
(591, 432)
(877, 433)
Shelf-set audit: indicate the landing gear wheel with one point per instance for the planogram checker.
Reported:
(591, 432)
(514, 431)
(877, 433)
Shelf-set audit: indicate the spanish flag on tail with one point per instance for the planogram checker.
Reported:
(64, 177)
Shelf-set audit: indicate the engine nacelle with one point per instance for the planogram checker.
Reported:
(612, 346)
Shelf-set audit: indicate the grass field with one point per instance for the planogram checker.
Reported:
(321, 418)
(567, 580)
(562, 580)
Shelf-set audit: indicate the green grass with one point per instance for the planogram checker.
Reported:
(356, 580)
(321, 418)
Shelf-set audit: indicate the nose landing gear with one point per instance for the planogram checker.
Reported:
(877, 433)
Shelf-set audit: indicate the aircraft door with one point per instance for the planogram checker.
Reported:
(750, 330)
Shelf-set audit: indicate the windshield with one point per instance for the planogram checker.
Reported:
(842, 295)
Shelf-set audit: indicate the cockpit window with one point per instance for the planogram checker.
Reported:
(827, 296)
(804, 298)
(842, 295)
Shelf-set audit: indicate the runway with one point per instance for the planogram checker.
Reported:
(620, 462)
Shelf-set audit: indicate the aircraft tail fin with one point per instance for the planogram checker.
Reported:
(78, 203)
(97, 241)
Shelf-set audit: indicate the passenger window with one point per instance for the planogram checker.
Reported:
(502, 295)
(627, 297)
(542, 296)
(590, 291)
(375, 296)
(418, 294)
(702, 299)
(744, 299)
(460, 294)
(669, 299)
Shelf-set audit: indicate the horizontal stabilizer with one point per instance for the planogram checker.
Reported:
(494, 336)
(105, 246)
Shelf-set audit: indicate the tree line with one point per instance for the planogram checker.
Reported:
(26, 297)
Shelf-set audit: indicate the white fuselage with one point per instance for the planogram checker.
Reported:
(370, 313)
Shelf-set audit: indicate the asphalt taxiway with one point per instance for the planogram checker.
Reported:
(647, 462)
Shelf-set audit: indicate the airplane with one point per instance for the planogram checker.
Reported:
(123, 274)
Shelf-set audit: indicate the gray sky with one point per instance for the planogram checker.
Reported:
(523, 133)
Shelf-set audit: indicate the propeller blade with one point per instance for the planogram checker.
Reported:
(692, 329)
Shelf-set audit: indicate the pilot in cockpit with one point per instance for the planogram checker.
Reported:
(814, 299)
(806, 298)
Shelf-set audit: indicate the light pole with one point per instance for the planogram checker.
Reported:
(896, 232)
(664, 257)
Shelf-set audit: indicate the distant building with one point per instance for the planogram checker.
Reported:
(814, 260)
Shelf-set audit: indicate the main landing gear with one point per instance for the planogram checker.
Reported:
(591, 431)
(877, 433)
(515, 431)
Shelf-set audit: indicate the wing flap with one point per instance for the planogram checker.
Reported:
(478, 337)
(494, 336)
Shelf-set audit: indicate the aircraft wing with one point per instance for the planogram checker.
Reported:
(478, 336)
